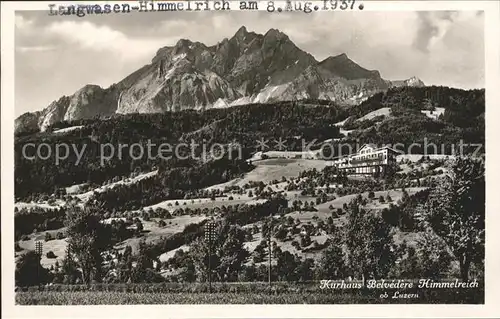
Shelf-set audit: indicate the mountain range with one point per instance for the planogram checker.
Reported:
(247, 68)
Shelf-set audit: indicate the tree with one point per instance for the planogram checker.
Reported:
(249, 273)
(259, 252)
(140, 226)
(287, 267)
(228, 253)
(29, 271)
(456, 212)
(428, 258)
(189, 272)
(434, 259)
(305, 240)
(88, 239)
(331, 264)
(144, 270)
(69, 269)
(369, 244)
(124, 267)
(51, 255)
(268, 227)
(281, 233)
(389, 172)
(305, 270)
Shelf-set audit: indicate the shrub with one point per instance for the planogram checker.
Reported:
(51, 255)
(381, 199)
(305, 241)
(48, 237)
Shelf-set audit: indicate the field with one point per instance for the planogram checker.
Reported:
(201, 202)
(293, 294)
(274, 169)
(385, 111)
(44, 205)
(124, 298)
(58, 246)
(153, 232)
(323, 209)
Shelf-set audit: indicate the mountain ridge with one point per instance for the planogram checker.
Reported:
(246, 68)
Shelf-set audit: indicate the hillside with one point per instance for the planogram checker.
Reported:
(150, 214)
(294, 122)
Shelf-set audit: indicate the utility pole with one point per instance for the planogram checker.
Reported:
(38, 251)
(210, 237)
(270, 252)
(269, 244)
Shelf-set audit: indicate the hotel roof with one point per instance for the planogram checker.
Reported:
(371, 145)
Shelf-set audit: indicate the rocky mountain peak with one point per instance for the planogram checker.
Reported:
(242, 31)
(243, 37)
(340, 57)
(182, 46)
(342, 66)
(247, 68)
(275, 34)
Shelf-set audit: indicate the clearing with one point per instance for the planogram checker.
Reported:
(85, 196)
(58, 246)
(44, 205)
(68, 129)
(434, 114)
(385, 111)
(274, 169)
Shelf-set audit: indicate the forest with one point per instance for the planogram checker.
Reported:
(297, 121)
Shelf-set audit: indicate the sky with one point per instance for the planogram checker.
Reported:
(57, 55)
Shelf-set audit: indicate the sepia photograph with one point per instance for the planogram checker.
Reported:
(294, 153)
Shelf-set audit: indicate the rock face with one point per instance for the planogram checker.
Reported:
(88, 102)
(246, 68)
(413, 81)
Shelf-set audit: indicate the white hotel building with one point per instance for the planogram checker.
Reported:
(367, 161)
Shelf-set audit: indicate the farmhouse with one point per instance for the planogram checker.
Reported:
(367, 161)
